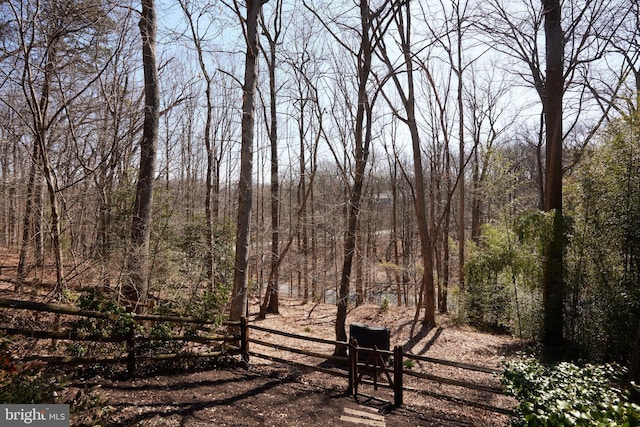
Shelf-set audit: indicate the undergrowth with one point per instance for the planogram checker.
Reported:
(566, 394)
(35, 383)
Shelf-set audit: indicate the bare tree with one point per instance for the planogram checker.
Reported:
(451, 38)
(553, 287)
(588, 31)
(402, 19)
(626, 42)
(239, 303)
(271, 300)
(362, 145)
(485, 109)
(46, 37)
(120, 120)
(211, 178)
(10, 166)
(362, 141)
(136, 287)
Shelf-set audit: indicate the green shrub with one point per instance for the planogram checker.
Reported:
(409, 364)
(384, 304)
(27, 383)
(209, 305)
(99, 301)
(35, 383)
(601, 263)
(569, 395)
(503, 275)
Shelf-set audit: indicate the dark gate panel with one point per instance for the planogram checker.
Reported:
(370, 336)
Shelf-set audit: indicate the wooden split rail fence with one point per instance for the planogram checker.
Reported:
(129, 335)
(365, 366)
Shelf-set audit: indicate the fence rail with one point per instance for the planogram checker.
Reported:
(74, 311)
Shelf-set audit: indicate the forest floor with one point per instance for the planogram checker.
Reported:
(275, 394)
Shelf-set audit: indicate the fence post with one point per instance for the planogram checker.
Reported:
(244, 340)
(398, 365)
(353, 367)
(131, 351)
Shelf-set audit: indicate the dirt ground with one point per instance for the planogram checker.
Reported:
(275, 394)
(262, 397)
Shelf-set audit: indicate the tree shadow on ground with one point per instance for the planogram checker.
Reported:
(176, 386)
(416, 337)
(508, 349)
(188, 410)
(276, 398)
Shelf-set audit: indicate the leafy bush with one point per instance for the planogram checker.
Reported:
(603, 278)
(569, 395)
(187, 284)
(503, 275)
(27, 383)
(98, 301)
(35, 383)
(161, 333)
(210, 305)
(191, 242)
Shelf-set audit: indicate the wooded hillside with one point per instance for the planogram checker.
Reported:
(478, 158)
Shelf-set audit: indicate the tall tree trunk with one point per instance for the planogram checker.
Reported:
(462, 160)
(39, 108)
(358, 276)
(239, 295)
(427, 287)
(38, 224)
(553, 287)
(634, 366)
(210, 190)
(211, 174)
(362, 140)
(394, 234)
(443, 287)
(136, 288)
(314, 251)
(49, 173)
(52, 190)
(27, 220)
(301, 228)
(476, 204)
(271, 303)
